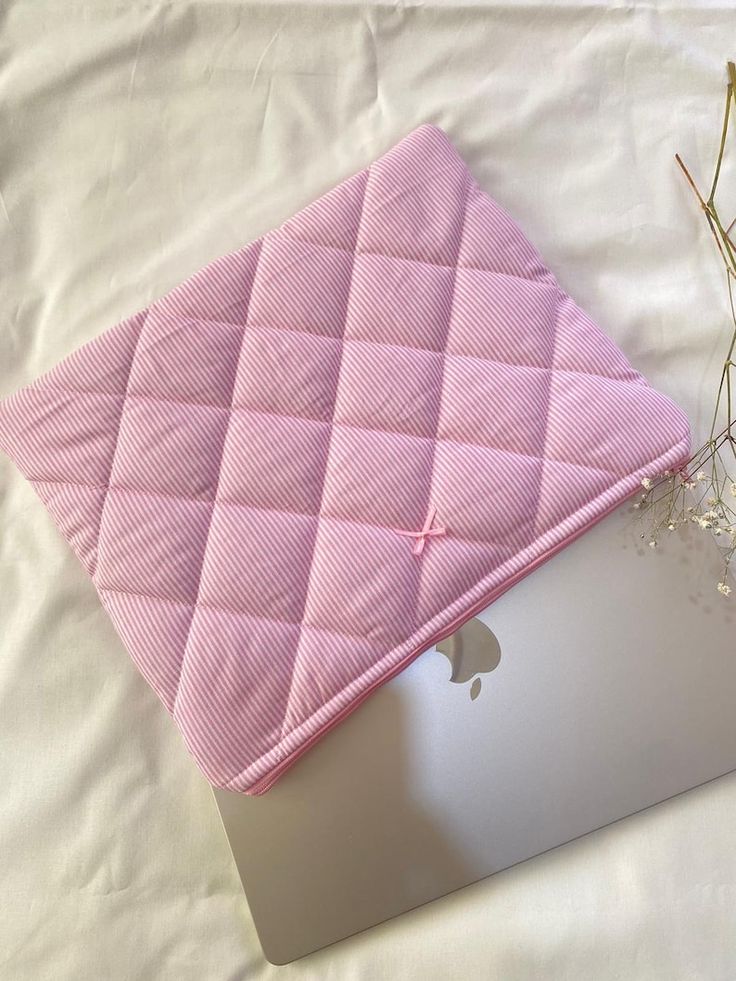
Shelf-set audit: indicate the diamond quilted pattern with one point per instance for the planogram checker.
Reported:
(248, 468)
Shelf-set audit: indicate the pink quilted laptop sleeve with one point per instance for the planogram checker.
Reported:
(324, 452)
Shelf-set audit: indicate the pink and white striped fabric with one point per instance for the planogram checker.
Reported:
(324, 452)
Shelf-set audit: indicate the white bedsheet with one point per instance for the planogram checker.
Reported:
(140, 140)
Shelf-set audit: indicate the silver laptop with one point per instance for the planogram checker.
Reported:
(601, 684)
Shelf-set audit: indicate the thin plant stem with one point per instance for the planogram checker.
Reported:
(724, 132)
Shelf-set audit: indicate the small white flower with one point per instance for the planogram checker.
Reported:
(700, 476)
(711, 502)
(704, 523)
(733, 489)
(646, 482)
(717, 532)
(671, 526)
(724, 588)
(636, 506)
(652, 544)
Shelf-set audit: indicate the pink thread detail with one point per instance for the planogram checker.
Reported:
(427, 532)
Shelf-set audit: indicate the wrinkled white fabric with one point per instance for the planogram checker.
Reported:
(140, 141)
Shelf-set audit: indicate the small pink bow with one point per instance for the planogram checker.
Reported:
(427, 532)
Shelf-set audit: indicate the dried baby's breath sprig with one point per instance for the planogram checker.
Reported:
(703, 492)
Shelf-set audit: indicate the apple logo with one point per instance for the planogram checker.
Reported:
(472, 650)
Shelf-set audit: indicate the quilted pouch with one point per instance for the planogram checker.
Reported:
(324, 452)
